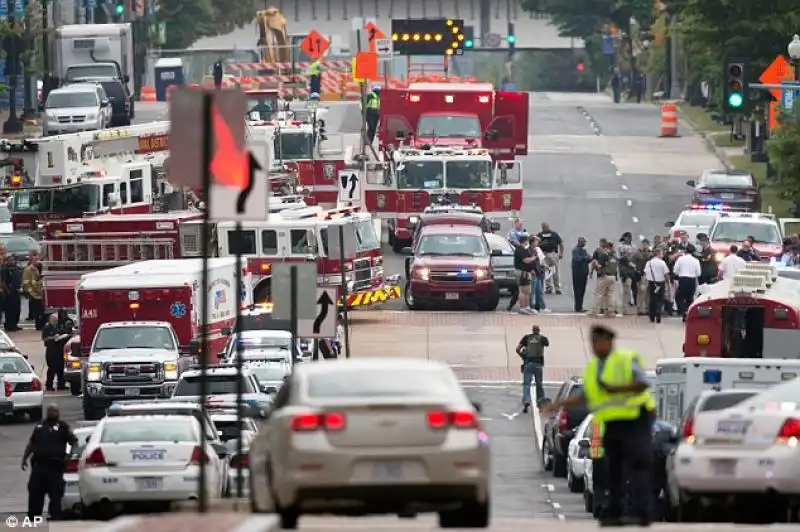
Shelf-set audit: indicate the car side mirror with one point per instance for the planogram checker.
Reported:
(494, 226)
(407, 251)
(497, 253)
(194, 347)
(226, 331)
(105, 103)
(126, 78)
(477, 406)
(690, 183)
(669, 225)
(89, 437)
(75, 350)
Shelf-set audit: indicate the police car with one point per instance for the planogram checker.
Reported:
(263, 345)
(136, 459)
(231, 429)
(222, 383)
(257, 318)
(22, 389)
(71, 501)
(694, 220)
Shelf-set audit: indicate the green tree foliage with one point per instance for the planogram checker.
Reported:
(189, 20)
(784, 151)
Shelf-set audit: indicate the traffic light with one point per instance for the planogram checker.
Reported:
(736, 99)
(511, 39)
(119, 9)
(469, 37)
(428, 36)
(580, 67)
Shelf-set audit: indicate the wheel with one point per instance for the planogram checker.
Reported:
(490, 304)
(289, 518)
(575, 485)
(472, 515)
(559, 465)
(408, 297)
(547, 457)
(75, 388)
(688, 510)
(90, 411)
(35, 414)
(588, 500)
(398, 245)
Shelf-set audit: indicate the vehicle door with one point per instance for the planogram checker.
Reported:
(789, 226)
(399, 115)
(508, 184)
(515, 105)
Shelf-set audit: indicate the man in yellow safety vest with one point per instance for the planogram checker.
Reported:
(599, 473)
(616, 391)
(315, 77)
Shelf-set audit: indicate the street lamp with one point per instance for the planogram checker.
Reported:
(794, 55)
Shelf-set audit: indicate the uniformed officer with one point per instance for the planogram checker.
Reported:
(217, 71)
(48, 447)
(599, 467)
(373, 112)
(605, 292)
(616, 391)
(315, 76)
(640, 258)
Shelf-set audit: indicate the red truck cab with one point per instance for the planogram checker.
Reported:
(447, 215)
(450, 264)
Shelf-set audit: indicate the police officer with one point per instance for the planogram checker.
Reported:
(315, 76)
(373, 112)
(55, 335)
(605, 292)
(599, 467)
(217, 73)
(617, 393)
(580, 273)
(48, 447)
(640, 259)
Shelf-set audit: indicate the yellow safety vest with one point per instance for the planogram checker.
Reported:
(596, 450)
(617, 371)
(373, 101)
(314, 68)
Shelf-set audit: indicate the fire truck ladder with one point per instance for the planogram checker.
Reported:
(92, 254)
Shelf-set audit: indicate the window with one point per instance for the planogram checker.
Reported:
(467, 245)
(697, 219)
(469, 174)
(123, 192)
(242, 242)
(63, 100)
(366, 236)
(438, 126)
(269, 242)
(137, 337)
(13, 365)
(300, 243)
(137, 186)
(108, 191)
(374, 383)
(739, 230)
(217, 385)
(716, 180)
(33, 201)
(5, 213)
(154, 430)
(77, 199)
(420, 175)
(724, 400)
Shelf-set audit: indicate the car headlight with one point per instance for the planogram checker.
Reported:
(719, 256)
(171, 371)
(422, 274)
(73, 363)
(481, 274)
(93, 374)
(413, 220)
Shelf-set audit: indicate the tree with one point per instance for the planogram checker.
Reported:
(232, 14)
(188, 21)
(784, 152)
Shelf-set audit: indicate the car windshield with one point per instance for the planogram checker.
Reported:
(783, 397)
(13, 365)
(468, 245)
(67, 99)
(469, 174)
(71, 199)
(91, 72)
(257, 343)
(697, 219)
(722, 401)
(149, 431)
(134, 337)
(738, 231)
(389, 382)
(269, 371)
(727, 180)
(365, 236)
(19, 245)
(498, 242)
(293, 146)
(5, 213)
(217, 385)
(420, 175)
(449, 127)
(231, 429)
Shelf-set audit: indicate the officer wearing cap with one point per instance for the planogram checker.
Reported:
(616, 391)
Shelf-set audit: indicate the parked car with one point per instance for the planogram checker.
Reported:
(503, 263)
(120, 110)
(559, 428)
(736, 189)
(577, 452)
(74, 108)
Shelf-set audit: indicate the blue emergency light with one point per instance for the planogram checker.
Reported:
(712, 376)
(710, 207)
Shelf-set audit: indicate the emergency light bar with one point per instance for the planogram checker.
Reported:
(709, 207)
(753, 215)
(712, 376)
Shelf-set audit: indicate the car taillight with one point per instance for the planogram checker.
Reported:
(36, 385)
(96, 458)
(703, 191)
(751, 192)
(687, 430)
(310, 422)
(71, 466)
(462, 419)
(8, 388)
(790, 432)
(198, 457)
(563, 420)
(240, 460)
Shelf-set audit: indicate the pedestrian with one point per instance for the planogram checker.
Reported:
(517, 231)
(730, 265)
(12, 289)
(599, 467)
(54, 339)
(217, 71)
(625, 251)
(748, 252)
(656, 272)
(616, 84)
(47, 450)
(617, 392)
(553, 247)
(33, 288)
(708, 261)
(539, 278)
(531, 350)
(523, 265)
(338, 341)
(640, 258)
(687, 269)
(605, 265)
(315, 76)
(580, 273)
(373, 112)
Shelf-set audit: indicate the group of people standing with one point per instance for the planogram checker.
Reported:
(536, 263)
(17, 282)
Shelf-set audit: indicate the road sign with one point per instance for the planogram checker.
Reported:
(349, 186)
(366, 66)
(306, 290)
(790, 95)
(374, 34)
(229, 156)
(323, 325)
(385, 49)
(315, 45)
(228, 203)
(777, 72)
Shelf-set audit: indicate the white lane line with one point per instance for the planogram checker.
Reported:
(537, 425)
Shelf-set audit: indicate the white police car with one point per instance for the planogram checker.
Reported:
(695, 220)
(221, 384)
(231, 429)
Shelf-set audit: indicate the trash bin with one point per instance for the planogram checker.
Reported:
(169, 71)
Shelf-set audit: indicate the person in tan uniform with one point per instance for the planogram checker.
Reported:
(606, 265)
(33, 288)
(640, 258)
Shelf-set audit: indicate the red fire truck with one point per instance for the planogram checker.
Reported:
(464, 115)
(399, 190)
(756, 314)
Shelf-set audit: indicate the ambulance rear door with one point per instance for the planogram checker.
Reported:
(514, 105)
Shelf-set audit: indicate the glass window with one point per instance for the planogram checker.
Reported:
(91, 71)
(697, 219)
(137, 186)
(391, 382)
(77, 199)
(269, 371)
(469, 174)
(5, 213)
(18, 244)
(217, 385)
(108, 191)
(728, 180)
(300, 243)
(449, 127)
(269, 242)
(123, 192)
(420, 175)
(470, 245)
(134, 338)
(366, 237)
(242, 242)
(293, 146)
(33, 201)
(62, 100)
(500, 243)
(13, 365)
(724, 400)
(739, 230)
(231, 428)
(154, 430)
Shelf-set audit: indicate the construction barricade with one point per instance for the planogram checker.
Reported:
(669, 120)
(147, 94)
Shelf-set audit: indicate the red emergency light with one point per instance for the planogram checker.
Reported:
(16, 180)
(579, 67)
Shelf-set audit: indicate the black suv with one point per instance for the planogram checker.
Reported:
(559, 428)
(121, 100)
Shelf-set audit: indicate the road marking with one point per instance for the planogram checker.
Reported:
(629, 203)
(623, 187)
(636, 221)
(537, 425)
(511, 417)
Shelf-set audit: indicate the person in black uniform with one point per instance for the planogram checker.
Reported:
(708, 263)
(55, 335)
(580, 273)
(48, 447)
(12, 290)
(217, 73)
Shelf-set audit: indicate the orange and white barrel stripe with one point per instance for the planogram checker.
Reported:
(669, 120)
(147, 94)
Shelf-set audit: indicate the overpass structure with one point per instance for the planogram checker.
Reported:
(332, 18)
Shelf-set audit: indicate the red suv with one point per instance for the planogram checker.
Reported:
(450, 263)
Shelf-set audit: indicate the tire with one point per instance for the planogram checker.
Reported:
(75, 388)
(408, 299)
(35, 414)
(472, 515)
(559, 465)
(547, 458)
(90, 411)
(575, 485)
(588, 501)
(490, 304)
(398, 245)
(687, 511)
(289, 518)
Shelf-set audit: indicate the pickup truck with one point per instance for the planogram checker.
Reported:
(128, 361)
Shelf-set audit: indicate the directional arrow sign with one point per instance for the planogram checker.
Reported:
(349, 186)
(324, 323)
(385, 49)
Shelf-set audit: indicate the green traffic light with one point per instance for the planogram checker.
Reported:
(511, 39)
(120, 8)
(468, 43)
(735, 100)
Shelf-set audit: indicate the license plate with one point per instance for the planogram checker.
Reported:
(388, 471)
(149, 483)
(451, 296)
(727, 195)
(723, 468)
(131, 392)
(733, 427)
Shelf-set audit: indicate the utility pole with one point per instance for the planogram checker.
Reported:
(46, 78)
(11, 44)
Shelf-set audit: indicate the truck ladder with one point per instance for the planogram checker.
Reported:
(66, 255)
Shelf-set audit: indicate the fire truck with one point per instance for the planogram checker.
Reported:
(77, 246)
(462, 115)
(755, 314)
(399, 190)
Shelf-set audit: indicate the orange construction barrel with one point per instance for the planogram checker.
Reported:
(669, 120)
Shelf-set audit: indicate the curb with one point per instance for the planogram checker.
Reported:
(718, 152)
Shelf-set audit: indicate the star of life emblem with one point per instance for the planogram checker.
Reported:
(177, 310)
